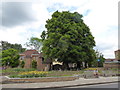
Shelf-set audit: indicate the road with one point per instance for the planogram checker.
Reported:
(108, 86)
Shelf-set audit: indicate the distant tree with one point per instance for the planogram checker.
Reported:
(99, 60)
(35, 43)
(10, 57)
(6, 45)
(68, 39)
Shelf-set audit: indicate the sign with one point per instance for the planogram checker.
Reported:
(98, 60)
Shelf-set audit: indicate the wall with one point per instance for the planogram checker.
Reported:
(111, 65)
(117, 54)
(28, 62)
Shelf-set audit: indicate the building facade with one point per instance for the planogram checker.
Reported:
(117, 55)
(29, 55)
(113, 63)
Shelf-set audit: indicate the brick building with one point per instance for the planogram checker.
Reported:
(113, 63)
(117, 54)
(29, 55)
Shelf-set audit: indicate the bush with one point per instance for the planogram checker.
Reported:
(22, 63)
(34, 64)
(22, 69)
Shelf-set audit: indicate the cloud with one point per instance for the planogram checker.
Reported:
(22, 20)
(102, 21)
(60, 7)
(25, 19)
(16, 13)
(86, 12)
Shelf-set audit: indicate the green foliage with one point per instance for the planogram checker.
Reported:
(23, 69)
(102, 60)
(12, 71)
(6, 45)
(34, 64)
(0, 58)
(17, 70)
(22, 63)
(99, 56)
(68, 38)
(35, 42)
(10, 57)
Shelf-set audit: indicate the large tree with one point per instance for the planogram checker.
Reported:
(67, 39)
(6, 45)
(35, 43)
(10, 57)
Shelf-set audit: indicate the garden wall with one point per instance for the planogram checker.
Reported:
(43, 79)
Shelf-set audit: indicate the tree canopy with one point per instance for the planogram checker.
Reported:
(68, 38)
(35, 43)
(10, 57)
(6, 45)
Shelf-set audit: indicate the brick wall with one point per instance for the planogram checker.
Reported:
(28, 62)
(40, 65)
(111, 65)
(117, 54)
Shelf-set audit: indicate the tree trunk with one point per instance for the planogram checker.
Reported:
(89, 64)
(50, 67)
(85, 64)
(79, 65)
(65, 66)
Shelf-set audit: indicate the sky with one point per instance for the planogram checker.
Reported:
(23, 19)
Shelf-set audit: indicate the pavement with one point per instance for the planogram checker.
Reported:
(78, 82)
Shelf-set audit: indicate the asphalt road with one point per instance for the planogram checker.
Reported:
(108, 86)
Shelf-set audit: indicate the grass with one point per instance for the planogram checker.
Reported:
(49, 74)
(63, 73)
(15, 71)
(11, 71)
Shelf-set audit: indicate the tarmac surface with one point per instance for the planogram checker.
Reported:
(63, 84)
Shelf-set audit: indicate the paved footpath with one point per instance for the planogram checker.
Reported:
(78, 82)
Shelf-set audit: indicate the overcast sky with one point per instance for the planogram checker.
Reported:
(22, 20)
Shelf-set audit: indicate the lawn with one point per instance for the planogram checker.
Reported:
(16, 71)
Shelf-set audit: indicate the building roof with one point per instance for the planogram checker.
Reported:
(117, 50)
(29, 53)
(110, 59)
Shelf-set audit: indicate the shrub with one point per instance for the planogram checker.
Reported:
(22, 63)
(13, 76)
(34, 64)
(22, 69)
